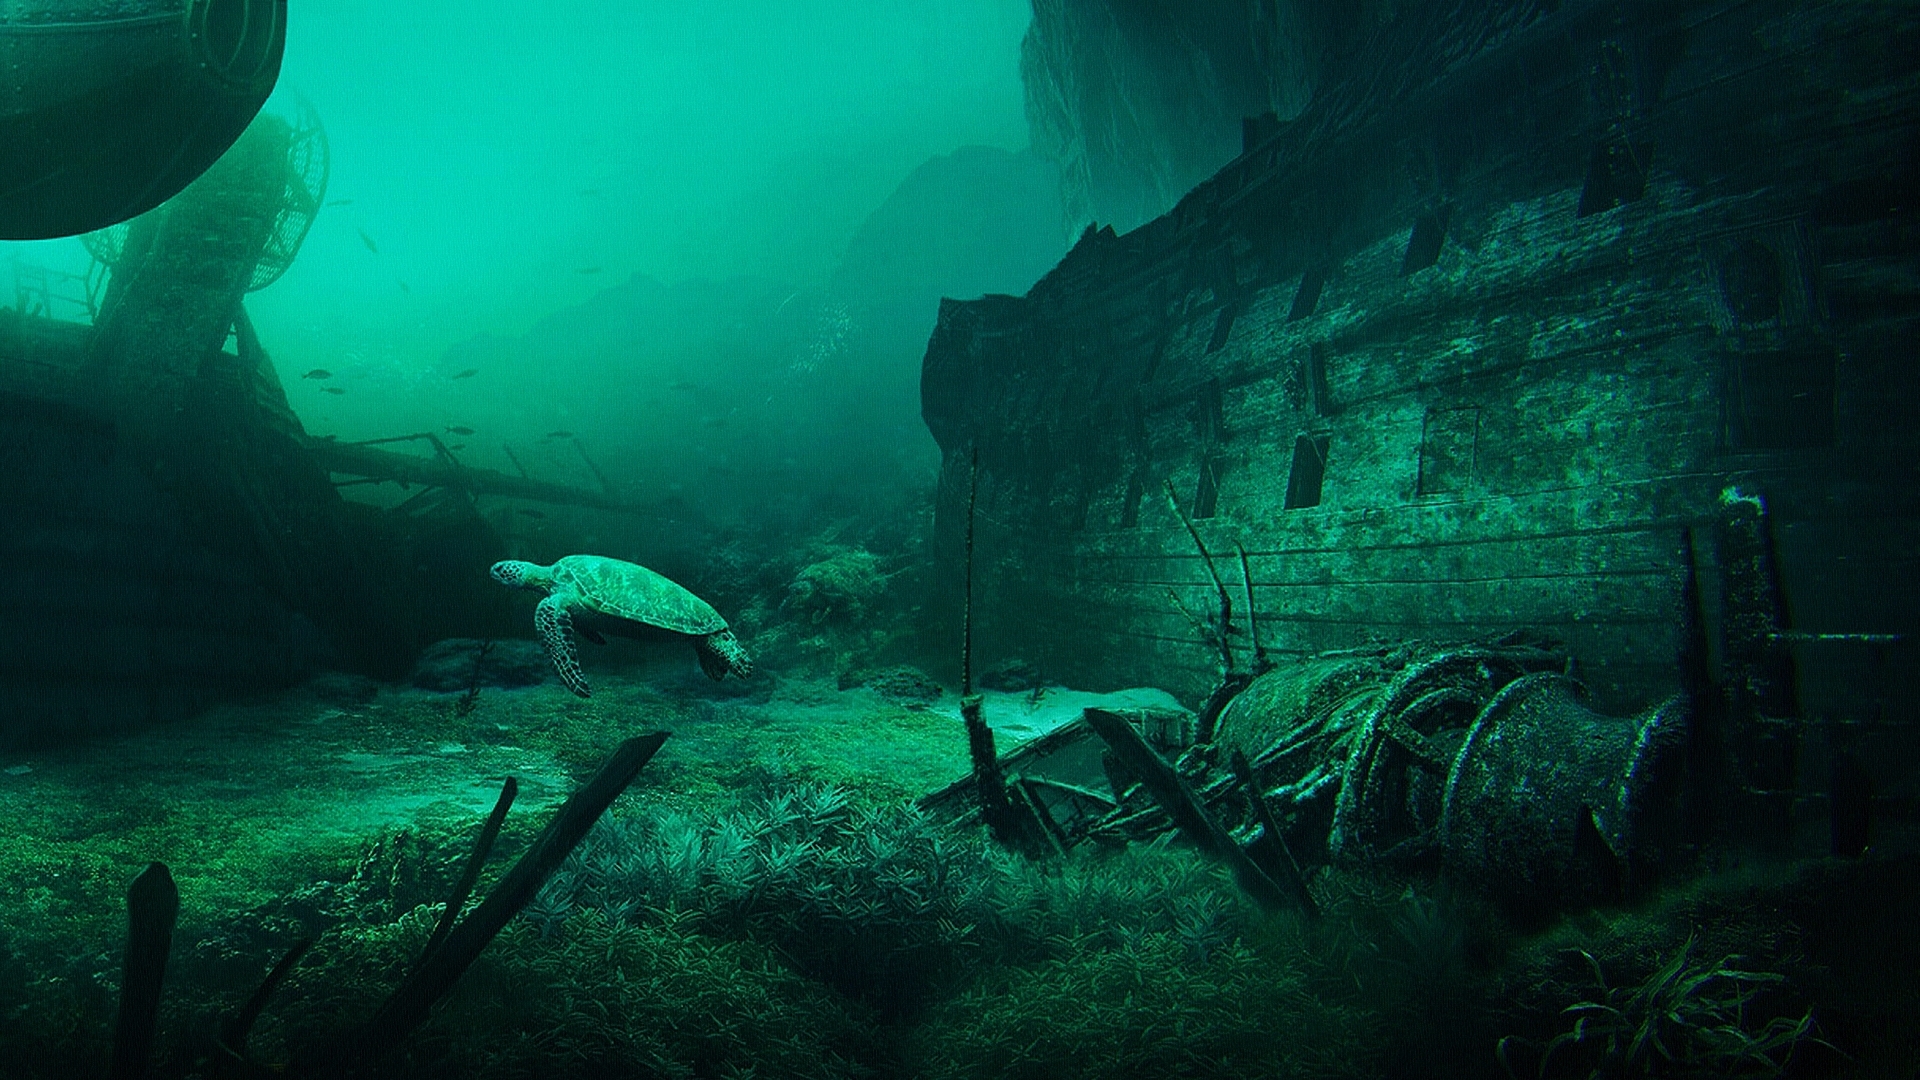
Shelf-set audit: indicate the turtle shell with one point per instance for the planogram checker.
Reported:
(630, 591)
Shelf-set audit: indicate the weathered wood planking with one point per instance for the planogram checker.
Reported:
(1518, 433)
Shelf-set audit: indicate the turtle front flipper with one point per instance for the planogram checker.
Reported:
(721, 654)
(555, 623)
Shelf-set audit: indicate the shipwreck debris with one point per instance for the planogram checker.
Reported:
(1269, 849)
(1012, 819)
(1232, 681)
(236, 1028)
(1548, 799)
(482, 847)
(1187, 812)
(440, 968)
(369, 465)
(153, 904)
(1478, 761)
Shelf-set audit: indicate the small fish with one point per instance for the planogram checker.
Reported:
(533, 513)
(590, 192)
(559, 434)
(333, 389)
(458, 430)
(318, 373)
(588, 270)
(458, 446)
(467, 374)
(341, 202)
(368, 240)
(683, 385)
(403, 287)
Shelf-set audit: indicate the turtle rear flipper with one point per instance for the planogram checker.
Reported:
(555, 624)
(722, 654)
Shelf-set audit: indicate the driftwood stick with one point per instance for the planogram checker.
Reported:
(1074, 790)
(1035, 811)
(1173, 794)
(605, 484)
(1261, 665)
(990, 784)
(470, 874)
(409, 1005)
(515, 458)
(966, 595)
(153, 903)
(233, 1033)
(1219, 588)
(1199, 625)
(1279, 862)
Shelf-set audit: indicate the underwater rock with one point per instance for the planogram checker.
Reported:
(979, 220)
(1140, 102)
(907, 685)
(842, 586)
(457, 664)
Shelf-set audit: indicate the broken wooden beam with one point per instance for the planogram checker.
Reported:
(437, 972)
(365, 461)
(1040, 823)
(1192, 819)
(153, 903)
(482, 846)
(233, 1033)
(1270, 851)
(990, 784)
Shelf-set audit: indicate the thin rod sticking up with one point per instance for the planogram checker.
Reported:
(1219, 588)
(966, 597)
(1260, 662)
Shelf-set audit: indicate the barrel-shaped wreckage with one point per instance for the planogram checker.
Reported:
(108, 110)
(1481, 762)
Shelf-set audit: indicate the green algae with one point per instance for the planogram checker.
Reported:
(764, 901)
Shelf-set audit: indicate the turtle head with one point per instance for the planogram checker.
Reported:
(522, 575)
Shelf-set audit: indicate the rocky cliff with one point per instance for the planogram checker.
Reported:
(1140, 100)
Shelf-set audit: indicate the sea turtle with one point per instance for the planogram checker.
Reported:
(619, 598)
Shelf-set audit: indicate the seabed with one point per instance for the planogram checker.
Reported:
(766, 900)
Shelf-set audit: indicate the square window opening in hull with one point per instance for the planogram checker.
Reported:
(1309, 472)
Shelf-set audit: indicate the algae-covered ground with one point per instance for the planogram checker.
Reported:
(251, 800)
(766, 901)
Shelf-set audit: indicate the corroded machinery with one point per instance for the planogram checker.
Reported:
(1481, 762)
(108, 110)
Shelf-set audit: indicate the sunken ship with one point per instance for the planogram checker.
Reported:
(1589, 323)
(189, 537)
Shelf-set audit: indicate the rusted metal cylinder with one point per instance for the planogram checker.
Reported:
(108, 109)
(1548, 800)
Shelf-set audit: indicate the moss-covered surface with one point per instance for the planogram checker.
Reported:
(765, 901)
